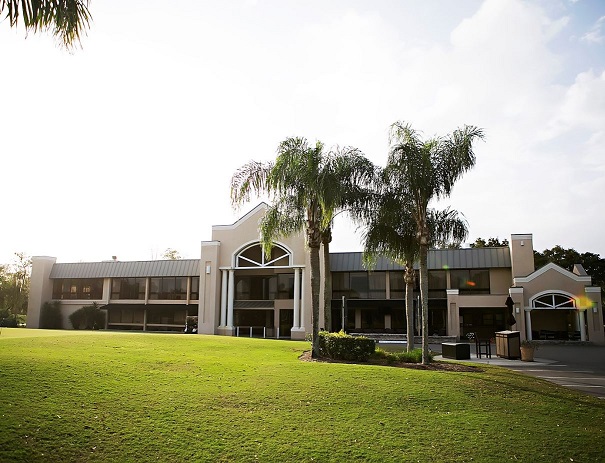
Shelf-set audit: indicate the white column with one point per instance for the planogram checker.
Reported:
(296, 322)
(224, 280)
(582, 325)
(302, 299)
(230, 296)
(528, 325)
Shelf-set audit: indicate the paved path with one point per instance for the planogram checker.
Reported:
(578, 367)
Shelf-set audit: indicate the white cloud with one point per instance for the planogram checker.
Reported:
(135, 121)
(595, 34)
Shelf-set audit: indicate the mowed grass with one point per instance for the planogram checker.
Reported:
(117, 397)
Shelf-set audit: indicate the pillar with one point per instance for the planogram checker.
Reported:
(528, 325)
(296, 322)
(582, 320)
(230, 296)
(303, 298)
(224, 281)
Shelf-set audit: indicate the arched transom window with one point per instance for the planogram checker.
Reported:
(253, 256)
(554, 301)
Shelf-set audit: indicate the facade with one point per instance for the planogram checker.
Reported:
(235, 289)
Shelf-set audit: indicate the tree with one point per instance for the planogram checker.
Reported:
(307, 187)
(66, 19)
(14, 288)
(171, 254)
(490, 243)
(427, 170)
(390, 231)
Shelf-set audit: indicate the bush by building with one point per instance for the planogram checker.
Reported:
(341, 346)
(50, 316)
(89, 317)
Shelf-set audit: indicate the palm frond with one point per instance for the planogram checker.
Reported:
(66, 19)
(251, 178)
(281, 220)
(446, 227)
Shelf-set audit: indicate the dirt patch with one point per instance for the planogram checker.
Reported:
(434, 366)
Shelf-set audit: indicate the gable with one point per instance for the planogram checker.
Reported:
(549, 268)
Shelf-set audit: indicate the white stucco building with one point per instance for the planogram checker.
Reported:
(233, 288)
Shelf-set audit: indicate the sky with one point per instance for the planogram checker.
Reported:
(126, 147)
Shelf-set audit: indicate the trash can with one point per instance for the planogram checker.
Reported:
(508, 344)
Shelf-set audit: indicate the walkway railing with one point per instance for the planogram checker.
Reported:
(250, 329)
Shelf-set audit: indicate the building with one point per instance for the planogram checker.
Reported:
(235, 289)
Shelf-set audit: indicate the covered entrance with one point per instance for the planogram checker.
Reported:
(555, 316)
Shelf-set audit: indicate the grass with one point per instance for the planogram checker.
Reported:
(104, 397)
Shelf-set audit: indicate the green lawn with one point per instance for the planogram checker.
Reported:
(81, 396)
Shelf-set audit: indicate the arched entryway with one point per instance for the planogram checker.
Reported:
(555, 316)
(262, 293)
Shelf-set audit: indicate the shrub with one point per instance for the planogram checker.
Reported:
(415, 356)
(341, 346)
(50, 316)
(89, 317)
(10, 321)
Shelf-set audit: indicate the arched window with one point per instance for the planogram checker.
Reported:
(253, 256)
(554, 301)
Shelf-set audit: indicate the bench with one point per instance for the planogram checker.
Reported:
(456, 350)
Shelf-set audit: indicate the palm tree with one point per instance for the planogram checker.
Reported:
(390, 232)
(307, 187)
(67, 19)
(428, 170)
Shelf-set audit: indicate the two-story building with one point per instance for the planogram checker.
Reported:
(235, 289)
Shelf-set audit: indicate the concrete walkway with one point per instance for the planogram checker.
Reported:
(580, 367)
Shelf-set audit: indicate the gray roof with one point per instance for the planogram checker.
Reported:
(437, 259)
(117, 269)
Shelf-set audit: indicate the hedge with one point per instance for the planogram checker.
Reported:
(89, 317)
(341, 346)
(50, 316)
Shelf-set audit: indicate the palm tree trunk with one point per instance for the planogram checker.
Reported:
(327, 282)
(409, 305)
(424, 296)
(315, 282)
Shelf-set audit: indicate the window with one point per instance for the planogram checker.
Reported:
(126, 315)
(285, 286)
(168, 288)
(377, 285)
(253, 256)
(437, 284)
(255, 287)
(554, 301)
(78, 288)
(166, 316)
(128, 288)
(359, 285)
(397, 284)
(195, 288)
(471, 281)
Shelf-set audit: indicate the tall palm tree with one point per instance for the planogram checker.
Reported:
(428, 170)
(67, 19)
(390, 232)
(306, 187)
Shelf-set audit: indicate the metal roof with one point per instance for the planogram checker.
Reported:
(117, 269)
(437, 259)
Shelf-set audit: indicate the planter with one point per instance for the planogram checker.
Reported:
(527, 353)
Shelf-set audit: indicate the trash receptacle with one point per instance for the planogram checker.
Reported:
(508, 344)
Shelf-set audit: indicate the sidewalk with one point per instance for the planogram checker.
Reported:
(581, 368)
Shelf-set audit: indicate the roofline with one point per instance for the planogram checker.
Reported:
(261, 205)
(552, 266)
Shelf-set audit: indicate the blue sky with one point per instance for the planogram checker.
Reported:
(127, 146)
